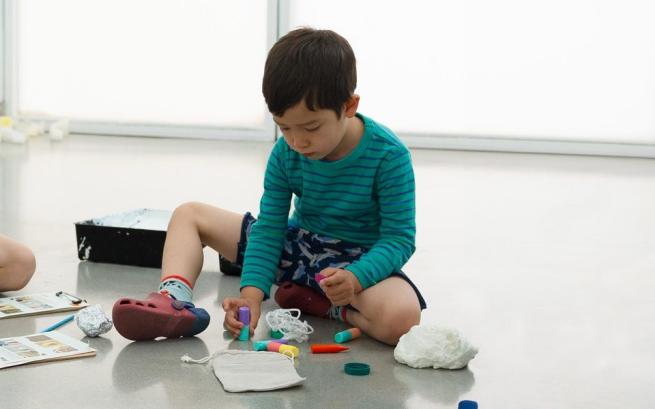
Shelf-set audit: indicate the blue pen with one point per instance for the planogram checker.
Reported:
(60, 323)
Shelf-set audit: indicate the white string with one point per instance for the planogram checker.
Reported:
(287, 323)
(189, 360)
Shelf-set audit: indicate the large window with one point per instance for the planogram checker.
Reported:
(172, 63)
(572, 70)
(571, 76)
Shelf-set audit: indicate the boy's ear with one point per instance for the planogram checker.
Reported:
(351, 106)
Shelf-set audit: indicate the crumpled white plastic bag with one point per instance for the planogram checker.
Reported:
(426, 346)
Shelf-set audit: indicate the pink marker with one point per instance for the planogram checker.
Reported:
(319, 277)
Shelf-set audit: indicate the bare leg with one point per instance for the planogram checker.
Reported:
(192, 225)
(387, 310)
(17, 264)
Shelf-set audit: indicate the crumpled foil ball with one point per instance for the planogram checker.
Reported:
(426, 346)
(93, 321)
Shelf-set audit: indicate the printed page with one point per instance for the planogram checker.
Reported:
(41, 347)
(32, 304)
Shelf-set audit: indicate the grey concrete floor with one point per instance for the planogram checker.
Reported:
(544, 262)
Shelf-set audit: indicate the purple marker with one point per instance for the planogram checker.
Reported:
(244, 317)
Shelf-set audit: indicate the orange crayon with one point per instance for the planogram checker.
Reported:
(328, 348)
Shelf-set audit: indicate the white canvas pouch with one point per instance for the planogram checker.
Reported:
(241, 371)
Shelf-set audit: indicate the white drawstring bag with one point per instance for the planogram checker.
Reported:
(241, 371)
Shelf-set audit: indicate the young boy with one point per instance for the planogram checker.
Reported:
(354, 217)
(17, 264)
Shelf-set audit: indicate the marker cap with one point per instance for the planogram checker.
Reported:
(276, 334)
(357, 368)
(244, 315)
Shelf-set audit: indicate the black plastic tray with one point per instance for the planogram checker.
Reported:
(133, 238)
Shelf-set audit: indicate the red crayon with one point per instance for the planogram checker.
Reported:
(328, 348)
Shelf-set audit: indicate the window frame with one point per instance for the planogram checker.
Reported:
(266, 133)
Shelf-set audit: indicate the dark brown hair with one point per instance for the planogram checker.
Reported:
(315, 65)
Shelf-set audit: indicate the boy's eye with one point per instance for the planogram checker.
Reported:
(284, 129)
(312, 129)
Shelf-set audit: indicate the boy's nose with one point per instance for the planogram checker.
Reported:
(300, 144)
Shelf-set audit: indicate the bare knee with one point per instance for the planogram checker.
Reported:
(398, 321)
(186, 215)
(19, 271)
(27, 264)
(187, 211)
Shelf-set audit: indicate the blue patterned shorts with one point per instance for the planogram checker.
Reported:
(305, 254)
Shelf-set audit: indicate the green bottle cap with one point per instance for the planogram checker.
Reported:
(357, 368)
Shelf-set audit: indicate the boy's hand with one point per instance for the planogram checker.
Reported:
(251, 297)
(340, 285)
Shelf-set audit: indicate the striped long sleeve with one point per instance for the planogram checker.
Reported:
(396, 197)
(267, 235)
(366, 198)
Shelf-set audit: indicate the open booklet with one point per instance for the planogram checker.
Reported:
(42, 303)
(41, 347)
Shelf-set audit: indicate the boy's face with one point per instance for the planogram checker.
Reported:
(317, 134)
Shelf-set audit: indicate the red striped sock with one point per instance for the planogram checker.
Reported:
(176, 287)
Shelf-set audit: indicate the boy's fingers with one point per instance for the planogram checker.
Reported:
(327, 272)
(234, 323)
(333, 280)
(231, 322)
(334, 290)
(226, 305)
(338, 279)
(340, 297)
(230, 304)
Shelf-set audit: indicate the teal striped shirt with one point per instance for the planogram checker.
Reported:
(366, 198)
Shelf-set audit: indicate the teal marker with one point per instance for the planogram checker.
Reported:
(263, 345)
(347, 335)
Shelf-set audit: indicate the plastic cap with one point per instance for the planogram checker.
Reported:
(276, 334)
(467, 404)
(357, 368)
(244, 315)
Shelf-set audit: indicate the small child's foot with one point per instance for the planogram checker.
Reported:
(158, 316)
(307, 300)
